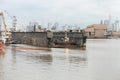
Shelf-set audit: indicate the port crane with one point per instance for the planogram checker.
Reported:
(4, 34)
(14, 21)
(3, 22)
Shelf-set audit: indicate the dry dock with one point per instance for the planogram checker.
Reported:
(50, 39)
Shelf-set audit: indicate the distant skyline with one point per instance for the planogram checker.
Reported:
(71, 12)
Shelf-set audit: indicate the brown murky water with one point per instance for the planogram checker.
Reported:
(100, 61)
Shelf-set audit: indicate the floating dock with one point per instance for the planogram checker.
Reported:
(50, 39)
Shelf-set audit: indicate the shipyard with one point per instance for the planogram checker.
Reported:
(59, 40)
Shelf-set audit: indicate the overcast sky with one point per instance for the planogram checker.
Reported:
(71, 12)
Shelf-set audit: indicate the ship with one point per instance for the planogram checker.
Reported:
(3, 40)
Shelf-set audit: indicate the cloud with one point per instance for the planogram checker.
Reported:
(83, 12)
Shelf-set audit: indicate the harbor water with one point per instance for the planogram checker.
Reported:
(99, 61)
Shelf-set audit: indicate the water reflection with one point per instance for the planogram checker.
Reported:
(1, 71)
(13, 59)
(46, 58)
(2, 53)
(34, 55)
(78, 57)
(43, 57)
(30, 56)
(67, 53)
(100, 61)
(13, 54)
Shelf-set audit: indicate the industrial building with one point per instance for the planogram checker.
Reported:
(96, 30)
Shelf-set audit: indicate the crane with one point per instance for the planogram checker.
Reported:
(14, 21)
(3, 21)
(5, 34)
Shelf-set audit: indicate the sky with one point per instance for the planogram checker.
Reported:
(64, 12)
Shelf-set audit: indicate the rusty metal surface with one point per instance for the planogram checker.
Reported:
(31, 38)
(75, 39)
(41, 39)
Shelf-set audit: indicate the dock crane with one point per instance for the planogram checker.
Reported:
(3, 22)
(14, 21)
(4, 34)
